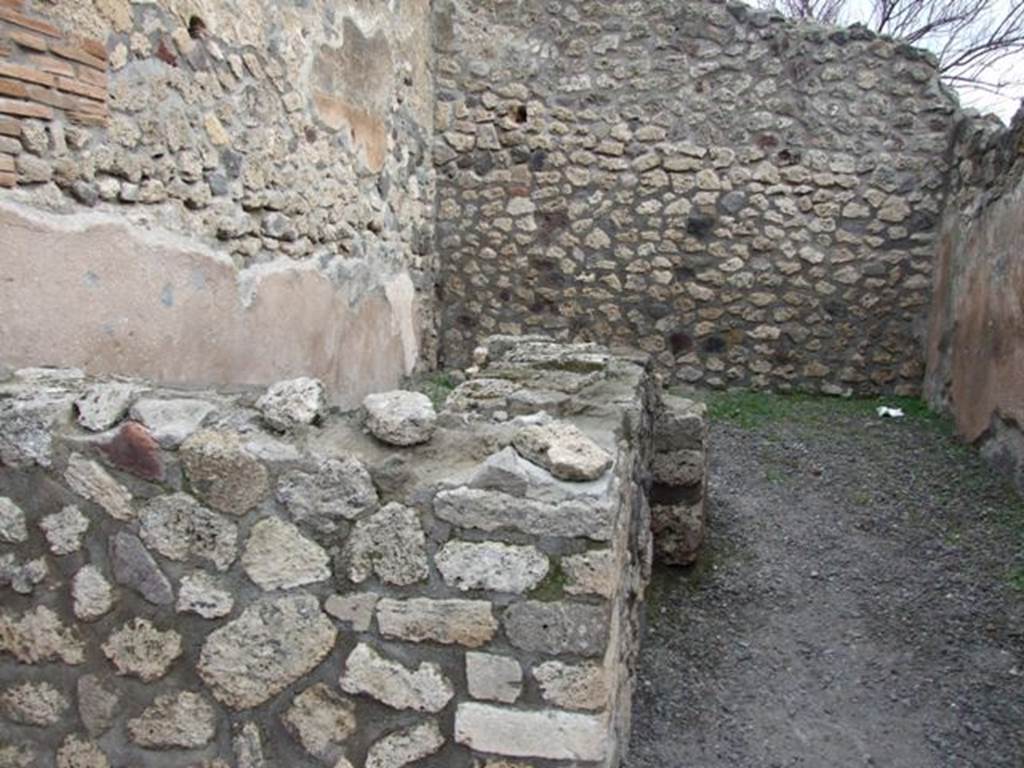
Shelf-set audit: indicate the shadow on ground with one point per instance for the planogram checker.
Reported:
(860, 603)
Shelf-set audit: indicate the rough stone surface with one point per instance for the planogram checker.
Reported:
(141, 650)
(104, 405)
(556, 628)
(98, 703)
(272, 644)
(91, 594)
(493, 677)
(76, 752)
(248, 747)
(491, 566)
(202, 594)
(33, 704)
(573, 686)
(292, 403)
(339, 489)
(546, 733)
(405, 746)
(356, 610)
(563, 450)
(12, 523)
(135, 568)
(679, 531)
(171, 422)
(390, 544)
(222, 473)
(590, 573)
(425, 689)
(22, 577)
(454, 622)
(278, 556)
(493, 511)
(400, 418)
(64, 530)
(321, 720)
(91, 481)
(679, 468)
(185, 720)
(39, 636)
(177, 526)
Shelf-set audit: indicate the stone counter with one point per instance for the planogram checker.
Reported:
(250, 579)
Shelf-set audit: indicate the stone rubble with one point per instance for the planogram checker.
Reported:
(400, 418)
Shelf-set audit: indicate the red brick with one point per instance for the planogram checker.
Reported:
(16, 5)
(8, 180)
(24, 109)
(88, 118)
(21, 20)
(82, 89)
(76, 53)
(94, 47)
(6, 51)
(28, 74)
(135, 450)
(50, 64)
(50, 98)
(10, 127)
(92, 77)
(7, 163)
(29, 40)
(13, 89)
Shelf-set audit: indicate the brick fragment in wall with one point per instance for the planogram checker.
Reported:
(24, 109)
(19, 19)
(26, 74)
(13, 89)
(52, 65)
(30, 40)
(9, 127)
(79, 54)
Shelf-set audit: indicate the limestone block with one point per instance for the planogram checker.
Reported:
(39, 636)
(273, 643)
(400, 418)
(177, 526)
(38, 704)
(76, 752)
(491, 566)
(356, 609)
(278, 556)
(557, 628)
(679, 531)
(185, 720)
(293, 403)
(405, 746)
(103, 405)
(391, 544)
(679, 469)
(222, 472)
(339, 489)
(91, 481)
(563, 450)
(63, 530)
(550, 734)
(12, 522)
(320, 720)
(91, 594)
(573, 686)
(172, 421)
(425, 689)
(201, 594)
(139, 649)
(470, 623)
(493, 677)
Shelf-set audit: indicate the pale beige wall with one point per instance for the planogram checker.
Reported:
(94, 291)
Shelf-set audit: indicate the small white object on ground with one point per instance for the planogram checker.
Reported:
(892, 413)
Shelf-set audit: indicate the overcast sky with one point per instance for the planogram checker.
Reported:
(1004, 104)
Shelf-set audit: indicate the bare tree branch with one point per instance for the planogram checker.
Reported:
(968, 36)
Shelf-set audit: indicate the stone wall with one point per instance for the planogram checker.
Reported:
(976, 333)
(750, 200)
(206, 579)
(245, 181)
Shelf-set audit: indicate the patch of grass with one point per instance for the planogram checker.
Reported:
(437, 386)
(751, 410)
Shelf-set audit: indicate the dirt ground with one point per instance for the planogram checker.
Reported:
(860, 602)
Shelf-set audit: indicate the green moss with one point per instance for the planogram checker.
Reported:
(553, 586)
(1017, 579)
(437, 386)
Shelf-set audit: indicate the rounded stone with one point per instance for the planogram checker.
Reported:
(400, 418)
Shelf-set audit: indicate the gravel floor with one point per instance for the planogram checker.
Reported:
(859, 604)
